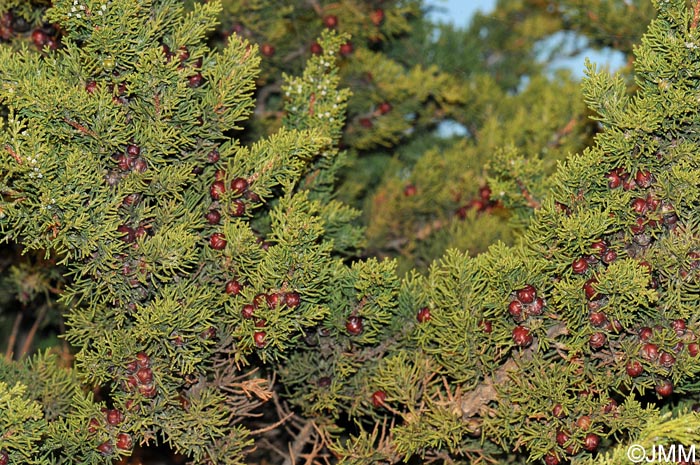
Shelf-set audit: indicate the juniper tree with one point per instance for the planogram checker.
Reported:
(570, 341)
(121, 166)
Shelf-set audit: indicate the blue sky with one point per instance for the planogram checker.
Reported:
(460, 11)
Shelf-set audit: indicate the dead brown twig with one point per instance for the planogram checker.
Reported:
(473, 402)
(300, 441)
(531, 201)
(13, 336)
(32, 332)
(272, 426)
(13, 154)
(696, 15)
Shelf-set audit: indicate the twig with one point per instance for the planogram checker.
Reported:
(263, 94)
(250, 388)
(32, 332)
(472, 402)
(563, 132)
(318, 446)
(299, 442)
(315, 5)
(156, 104)
(80, 127)
(294, 55)
(66, 355)
(273, 447)
(272, 426)
(246, 55)
(13, 154)
(377, 352)
(13, 336)
(531, 201)
(696, 15)
(428, 229)
(312, 101)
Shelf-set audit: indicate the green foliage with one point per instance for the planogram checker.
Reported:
(145, 296)
(24, 418)
(667, 429)
(457, 193)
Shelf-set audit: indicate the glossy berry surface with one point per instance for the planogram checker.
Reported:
(599, 246)
(562, 438)
(217, 241)
(237, 208)
(527, 294)
(239, 185)
(634, 369)
(515, 308)
(667, 360)
(354, 325)
(217, 189)
(124, 441)
(589, 290)
(292, 299)
(522, 336)
(558, 411)
(423, 315)
(274, 300)
(133, 150)
(105, 448)
(247, 311)
(643, 178)
(649, 351)
(597, 319)
(609, 256)
(195, 80)
(679, 326)
(213, 156)
(597, 340)
(579, 266)
(591, 442)
(645, 333)
(614, 180)
(536, 307)
(93, 425)
(378, 398)
(583, 422)
(259, 339)
(114, 417)
(233, 287)
(664, 388)
(143, 360)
